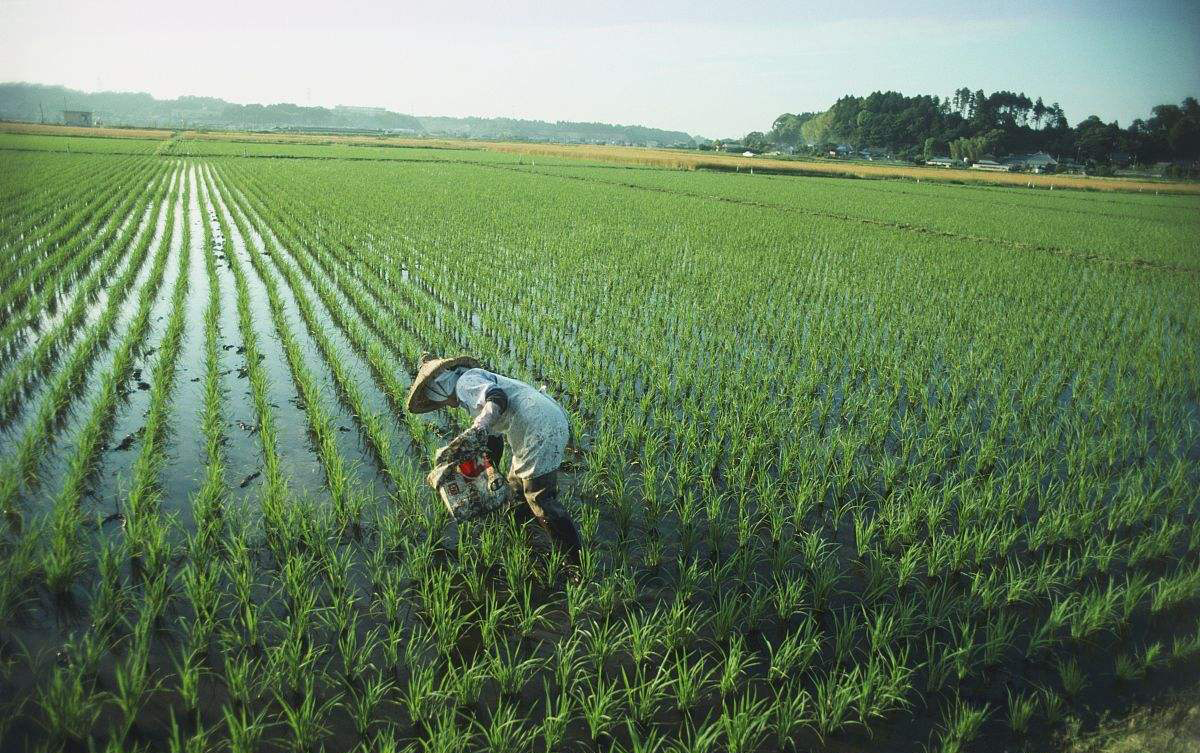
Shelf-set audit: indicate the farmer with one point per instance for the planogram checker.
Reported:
(503, 409)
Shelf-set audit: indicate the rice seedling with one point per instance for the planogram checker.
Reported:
(305, 719)
(646, 635)
(188, 673)
(1181, 586)
(69, 707)
(645, 691)
(652, 741)
(1186, 646)
(510, 672)
(793, 653)
(558, 715)
(729, 614)
(133, 680)
(505, 731)
(600, 641)
(1021, 711)
(598, 704)
(420, 697)
(960, 725)
(245, 729)
(691, 679)
(1052, 706)
(744, 722)
(197, 741)
(845, 637)
(833, 700)
(789, 714)
(530, 615)
(884, 686)
(464, 683)
(910, 501)
(1072, 677)
(682, 625)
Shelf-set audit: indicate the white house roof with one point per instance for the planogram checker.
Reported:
(1037, 158)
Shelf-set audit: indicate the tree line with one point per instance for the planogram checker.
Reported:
(971, 124)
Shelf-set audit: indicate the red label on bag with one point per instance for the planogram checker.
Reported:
(470, 468)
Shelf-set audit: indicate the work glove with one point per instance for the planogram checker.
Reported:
(469, 445)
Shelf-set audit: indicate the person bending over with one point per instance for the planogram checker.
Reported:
(504, 411)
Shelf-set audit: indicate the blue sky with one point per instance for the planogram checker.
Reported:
(709, 68)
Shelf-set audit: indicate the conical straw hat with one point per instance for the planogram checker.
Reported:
(418, 401)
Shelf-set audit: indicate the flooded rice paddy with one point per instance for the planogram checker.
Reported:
(859, 465)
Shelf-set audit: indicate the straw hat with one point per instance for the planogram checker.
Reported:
(418, 401)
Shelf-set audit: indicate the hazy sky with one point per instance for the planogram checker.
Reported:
(709, 68)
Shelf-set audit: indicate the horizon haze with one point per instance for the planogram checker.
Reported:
(710, 70)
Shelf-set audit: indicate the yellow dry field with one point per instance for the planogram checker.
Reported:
(331, 138)
(686, 160)
(95, 132)
(663, 158)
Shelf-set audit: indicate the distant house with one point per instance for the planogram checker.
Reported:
(749, 153)
(943, 162)
(874, 153)
(1038, 162)
(77, 118)
(991, 165)
(1120, 159)
(1176, 167)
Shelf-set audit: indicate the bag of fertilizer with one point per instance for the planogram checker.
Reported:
(469, 489)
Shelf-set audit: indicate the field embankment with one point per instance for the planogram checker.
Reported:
(640, 156)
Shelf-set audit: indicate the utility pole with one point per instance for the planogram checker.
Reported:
(42, 110)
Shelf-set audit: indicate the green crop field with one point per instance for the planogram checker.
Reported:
(859, 465)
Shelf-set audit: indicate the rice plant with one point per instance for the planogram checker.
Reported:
(839, 454)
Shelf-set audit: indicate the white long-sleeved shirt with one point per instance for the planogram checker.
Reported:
(531, 422)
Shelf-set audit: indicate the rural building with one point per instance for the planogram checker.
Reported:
(77, 118)
(1038, 162)
(992, 165)
(1120, 159)
(943, 162)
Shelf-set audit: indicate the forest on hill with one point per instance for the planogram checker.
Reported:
(971, 124)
